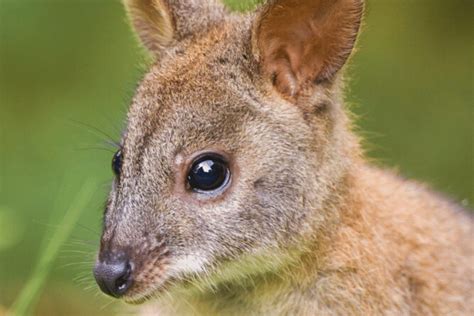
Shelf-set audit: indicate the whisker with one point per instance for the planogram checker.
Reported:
(84, 278)
(72, 264)
(75, 251)
(96, 148)
(106, 305)
(91, 288)
(87, 228)
(97, 132)
(86, 283)
(83, 242)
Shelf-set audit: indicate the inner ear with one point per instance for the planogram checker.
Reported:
(304, 42)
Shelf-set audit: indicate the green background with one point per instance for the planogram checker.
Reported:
(68, 70)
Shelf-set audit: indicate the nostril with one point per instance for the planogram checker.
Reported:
(114, 278)
(123, 282)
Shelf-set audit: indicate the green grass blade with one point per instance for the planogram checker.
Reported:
(30, 293)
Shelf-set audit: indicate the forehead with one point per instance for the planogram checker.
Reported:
(198, 94)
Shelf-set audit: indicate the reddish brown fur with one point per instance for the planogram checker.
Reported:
(307, 226)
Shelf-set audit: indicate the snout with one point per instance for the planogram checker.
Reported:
(114, 274)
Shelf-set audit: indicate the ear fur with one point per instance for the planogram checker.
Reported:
(159, 23)
(303, 42)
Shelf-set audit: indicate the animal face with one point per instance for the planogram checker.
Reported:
(235, 141)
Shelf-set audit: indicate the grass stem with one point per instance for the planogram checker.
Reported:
(29, 295)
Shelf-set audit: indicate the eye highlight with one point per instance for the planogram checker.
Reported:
(208, 173)
(117, 162)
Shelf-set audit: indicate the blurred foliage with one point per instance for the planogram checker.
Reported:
(67, 72)
(28, 297)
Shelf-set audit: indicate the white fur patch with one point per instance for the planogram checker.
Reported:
(179, 159)
(194, 263)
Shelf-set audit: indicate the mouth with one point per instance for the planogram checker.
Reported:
(152, 292)
(153, 283)
(156, 291)
(149, 283)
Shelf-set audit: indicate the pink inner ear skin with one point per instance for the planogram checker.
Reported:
(303, 41)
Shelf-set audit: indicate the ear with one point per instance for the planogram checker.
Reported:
(305, 42)
(159, 23)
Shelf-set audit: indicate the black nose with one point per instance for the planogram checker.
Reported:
(114, 278)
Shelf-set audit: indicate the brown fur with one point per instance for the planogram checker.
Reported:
(306, 226)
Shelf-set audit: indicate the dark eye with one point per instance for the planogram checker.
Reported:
(117, 162)
(208, 173)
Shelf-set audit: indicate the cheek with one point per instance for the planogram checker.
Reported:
(225, 230)
(281, 207)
